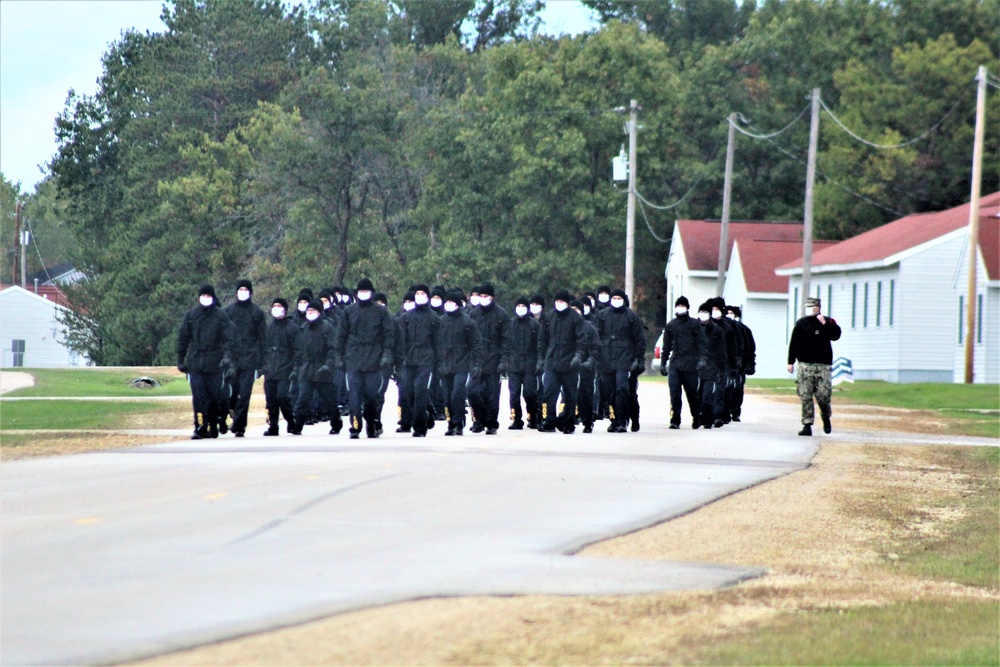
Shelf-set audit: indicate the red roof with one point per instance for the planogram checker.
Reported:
(759, 258)
(700, 239)
(895, 237)
(50, 292)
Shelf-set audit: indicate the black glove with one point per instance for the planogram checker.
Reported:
(324, 374)
(228, 368)
(502, 367)
(701, 364)
(539, 366)
(386, 363)
(588, 365)
(636, 365)
(664, 366)
(575, 362)
(476, 371)
(182, 367)
(339, 363)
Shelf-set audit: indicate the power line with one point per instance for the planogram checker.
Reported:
(648, 226)
(746, 120)
(905, 143)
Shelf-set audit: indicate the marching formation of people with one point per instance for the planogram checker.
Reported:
(332, 355)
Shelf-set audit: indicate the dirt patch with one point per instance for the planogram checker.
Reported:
(810, 529)
(57, 443)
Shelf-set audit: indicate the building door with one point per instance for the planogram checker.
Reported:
(17, 347)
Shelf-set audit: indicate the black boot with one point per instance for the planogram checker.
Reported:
(827, 426)
(806, 430)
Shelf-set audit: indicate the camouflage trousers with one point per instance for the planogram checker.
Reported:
(813, 382)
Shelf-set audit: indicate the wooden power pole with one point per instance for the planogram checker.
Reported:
(977, 177)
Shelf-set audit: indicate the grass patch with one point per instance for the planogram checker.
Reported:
(71, 415)
(100, 382)
(910, 633)
(924, 396)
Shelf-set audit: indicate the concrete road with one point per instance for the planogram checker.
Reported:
(114, 556)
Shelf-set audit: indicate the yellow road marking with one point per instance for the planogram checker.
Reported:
(86, 521)
(312, 477)
(214, 496)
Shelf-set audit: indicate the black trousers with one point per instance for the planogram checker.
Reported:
(525, 384)
(585, 398)
(363, 391)
(327, 392)
(415, 389)
(484, 398)
(455, 391)
(556, 382)
(736, 409)
(688, 380)
(619, 395)
(239, 401)
(708, 396)
(278, 401)
(208, 400)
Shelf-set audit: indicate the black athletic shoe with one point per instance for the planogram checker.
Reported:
(271, 430)
(806, 430)
(827, 426)
(546, 429)
(674, 427)
(695, 425)
(477, 428)
(589, 428)
(418, 434)
(736, 418)
(491, 431)
(238, 434)
(635, 425)
(719, 423)
(403, 429)
(197, 435)
(516, 426)
(450, 431)
(355, 435)
(223, 427)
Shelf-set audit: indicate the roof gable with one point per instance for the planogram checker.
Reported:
(701, 238)
(50, 293)
(886, 243)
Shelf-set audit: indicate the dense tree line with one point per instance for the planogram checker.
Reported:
(448, 141)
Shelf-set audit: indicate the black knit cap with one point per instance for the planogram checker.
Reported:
(380, 297)
(705, 307)
(438, 291)
(409, 296)
(316, 304)
(719, 302)
(537, 298)
(735, 310)
(326, 294)
(576, 303)
(487, 289)
(618, 292)
(421, 287)
(455, 296)
(604, 289)
(365, 285)
(278, 301)
(243, 282)
(563, 295)
(305, 295)
(682, 301)
(522, 301)
(206, 289)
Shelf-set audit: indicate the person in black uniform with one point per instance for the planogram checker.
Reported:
(458, 355)
(205, 353)
(278, 367)
(521, 365)
(366, 342)
(624, 342)
(591, 361)
(748, 360)
(418, 332)
(382, 301)
(494, 329)
(684, 344)
(712, 368)
(250, 328)
(734, 350)
(315, 359)
(562, 344)
(536, 306)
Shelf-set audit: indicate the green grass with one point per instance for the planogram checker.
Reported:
(70, 415)
(925, 632)
(98, 382)
(912, 633)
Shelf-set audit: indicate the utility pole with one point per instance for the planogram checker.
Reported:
(17, 242)
(630, 216)
(727, 190)
(807, 227)
(977, 176)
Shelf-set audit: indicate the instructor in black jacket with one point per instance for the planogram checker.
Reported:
(684, 344)
(250, 333)
(205, 353)
(367, 338)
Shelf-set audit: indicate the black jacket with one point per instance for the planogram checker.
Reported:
(205, 339)
(459, 345)
(523, 345)
(367, 337)
(810, 341)
(494, 328)
(734, 343)
(419, 328)
(623, 338)
(749, 356)
(250, 331)
(561, 339)
(684, 343)
(315, 351)
(713, 365)
(279, 355)
(593, 359)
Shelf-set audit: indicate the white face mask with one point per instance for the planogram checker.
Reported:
(703, 316)
(536, 308)
(730, 316)
(475, 300)
(409, 305)
(364, 296)
(302, 305)
(206, 300)
(586, 310)
(436, 302)
(680, 310)
(326, 304)
(420, 299)
(561, 306)
(716, 314)
(603, 298)
(450, 307)
(313, 316)
(812, 310)
(617, 302)
(485, 300)
(243, 294)
(521, 311)
(277, 312)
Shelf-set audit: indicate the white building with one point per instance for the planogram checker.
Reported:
(756, 249)
(899, 294)
(30, 332)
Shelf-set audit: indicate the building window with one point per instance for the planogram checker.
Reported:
(979, 318)
(17, 347)
(961, 319)
(864, 316)
(878, 305)
(854, 305)
(892, 299)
